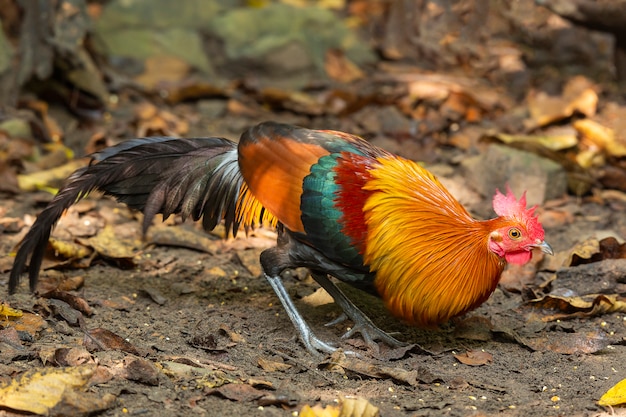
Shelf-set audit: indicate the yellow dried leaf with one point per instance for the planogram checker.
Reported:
(69, 249)
(615, 395)
(40, 390)
(6, 311)
(108, 243)
(602, 136)
(552, 142)
(358, 407)
(318, 411)
(43, 180)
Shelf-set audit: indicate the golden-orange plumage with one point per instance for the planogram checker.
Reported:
(431, 257)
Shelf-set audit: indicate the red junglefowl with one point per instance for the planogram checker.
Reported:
(343, 208)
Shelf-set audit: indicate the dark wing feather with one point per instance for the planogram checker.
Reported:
(194, 177)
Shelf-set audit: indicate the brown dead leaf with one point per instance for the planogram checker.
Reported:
(182, 236)
(103, 339)
(56, 281)
(594, 250)
(296, 101)
(73, 356)
(153, 121)
(237, 392)
(474, 357)
(140, 370)
(340, 68)
(10, 336)
(579, 96)
(76, 302)
(191, 89)
(579, 307)
(40, 107)
(272, 366)
(30, 323)
(233, 335)
(339, 362)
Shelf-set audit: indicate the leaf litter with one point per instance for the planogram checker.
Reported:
(546, 326)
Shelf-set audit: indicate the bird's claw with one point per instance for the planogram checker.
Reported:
(340, 319)
(371, 334)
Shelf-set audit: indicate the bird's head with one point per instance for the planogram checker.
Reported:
(518, 230)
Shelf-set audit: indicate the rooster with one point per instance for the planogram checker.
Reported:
(343, 208)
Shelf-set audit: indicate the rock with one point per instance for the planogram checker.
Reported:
(299, 36)
(141, 29)
(541, 178)
(17, 128)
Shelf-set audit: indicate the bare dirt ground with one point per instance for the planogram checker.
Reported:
(183, 323)
(207, 336)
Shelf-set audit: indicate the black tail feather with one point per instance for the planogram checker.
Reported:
(192, 177)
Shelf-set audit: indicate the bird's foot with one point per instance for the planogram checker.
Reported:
(313, 343)
(371, 333)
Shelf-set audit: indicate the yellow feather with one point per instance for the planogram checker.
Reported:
(251, 213)
(430, 256)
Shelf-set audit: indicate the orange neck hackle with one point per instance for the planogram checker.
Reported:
(431, 258)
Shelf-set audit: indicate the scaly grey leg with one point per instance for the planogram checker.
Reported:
(312, 343)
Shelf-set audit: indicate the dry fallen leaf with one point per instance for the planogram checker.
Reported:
(350, 407)
(69, 250)
(554, 142)
(577, 307)
(579, 96)
(474, 357)
(358, 407)
(30, 323)
(340, 363)
(340, 68)
(319, 411)
(111, 243)
(40, 390)
(616, 395)
(102, 339)
(272, 366)
(7, 312)
(45, 180)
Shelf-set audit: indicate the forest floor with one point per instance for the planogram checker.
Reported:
(204, 334)
(182, 322)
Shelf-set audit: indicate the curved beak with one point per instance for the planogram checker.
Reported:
(545, 247)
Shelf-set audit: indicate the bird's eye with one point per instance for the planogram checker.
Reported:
(514, 233)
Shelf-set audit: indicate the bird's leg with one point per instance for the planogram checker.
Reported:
(362, 323)
(312, 343)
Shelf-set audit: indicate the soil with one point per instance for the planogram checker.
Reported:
(211, 315)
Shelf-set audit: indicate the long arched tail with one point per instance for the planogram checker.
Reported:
(197, 178)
